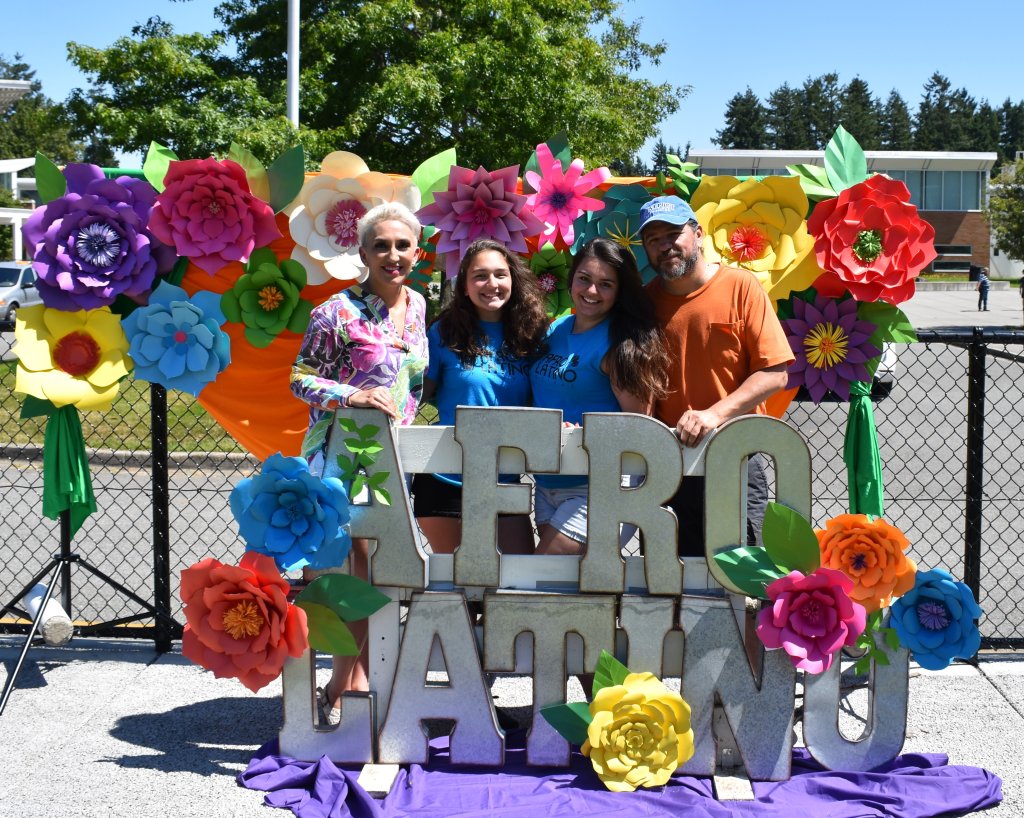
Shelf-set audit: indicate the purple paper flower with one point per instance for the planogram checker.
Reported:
(831, 346)
(811, 617)
(93, 244)
(480, 205)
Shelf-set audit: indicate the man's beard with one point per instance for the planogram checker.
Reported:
(676, 267)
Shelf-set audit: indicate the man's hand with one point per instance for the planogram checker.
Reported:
(695, 424)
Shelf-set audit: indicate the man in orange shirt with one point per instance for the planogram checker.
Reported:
(727, 352)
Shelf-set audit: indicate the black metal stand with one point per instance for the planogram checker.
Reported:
(60, 564)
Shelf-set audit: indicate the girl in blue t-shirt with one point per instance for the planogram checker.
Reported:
(480, 351)
(608, 357)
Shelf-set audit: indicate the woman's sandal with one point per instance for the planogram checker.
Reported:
(328, 715)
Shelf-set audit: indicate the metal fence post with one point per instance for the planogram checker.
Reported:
(161, 517)
(974, 492)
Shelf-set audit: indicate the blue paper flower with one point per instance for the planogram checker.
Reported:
(176, 341)
(292, 516)
(935, 620)
(618, 221)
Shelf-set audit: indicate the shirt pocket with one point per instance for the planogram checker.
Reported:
(725, 345)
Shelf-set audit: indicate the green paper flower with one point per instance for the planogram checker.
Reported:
(266, 298)
(551, 267)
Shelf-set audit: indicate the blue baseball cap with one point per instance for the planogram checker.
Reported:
(668, 209)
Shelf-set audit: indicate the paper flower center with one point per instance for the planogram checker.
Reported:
(557, 200)
(933, 615)
(341, 222)
(548, 283)
(243, 620)
(868, 245)
(77, 353)
(98, 244)
(859, 561)
(622, 238)
(826, 345)
(180, 337)
(747, 242)
(811, 612)
(213, 208)
(270, 298)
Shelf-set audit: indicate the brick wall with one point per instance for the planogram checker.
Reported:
(958, 227)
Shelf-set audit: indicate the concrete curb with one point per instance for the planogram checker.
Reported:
(951, 286)
(229, 461)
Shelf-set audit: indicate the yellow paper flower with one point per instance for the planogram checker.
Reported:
(70, 358)
(324, 216)
(761, 227)
(639, 735)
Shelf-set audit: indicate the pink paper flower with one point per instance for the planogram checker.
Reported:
(869, 240)
(479, 205)
(207, 213)
(560, 198)
(239, 621)
(811, 617)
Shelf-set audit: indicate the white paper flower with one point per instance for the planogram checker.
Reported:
(323, 219)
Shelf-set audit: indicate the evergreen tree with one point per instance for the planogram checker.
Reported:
(745, 120)
(896, 131)
(1011, 130)
(983, 129)
(860, 113)
(786, 120)
(822, 106)
(34, 123)
(935, 126)
(659, 158)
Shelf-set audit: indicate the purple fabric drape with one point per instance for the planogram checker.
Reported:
(911, 786)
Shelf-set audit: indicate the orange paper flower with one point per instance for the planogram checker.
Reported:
(871, 553)
(239, 621)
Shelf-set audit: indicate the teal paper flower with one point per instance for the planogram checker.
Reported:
(620, 222)
(176, 341)
(935, 620)
(292, 516)
(266, 298)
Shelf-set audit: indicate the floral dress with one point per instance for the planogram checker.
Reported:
(350, 345)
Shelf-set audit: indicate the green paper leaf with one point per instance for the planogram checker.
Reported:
(892, 639)
(177, 273)
(892, 326)
(880, 657)
(378, 479)
(610, 671)
(789, 540)
(285, 177)
(348, 597)
(570, 720)
(299, 320)
(347, 424)
(327, 633)
(844, 160)
(33, 407)
(432, 175)
(158, 159)
(368, 431)
(255, 172)
(50, 182)
(349, 468)
(684, 180)
(749, 569)
(862, 665)
(813, 181)
(358, 482)
(560, 150)
(381, 495)
(264, 255)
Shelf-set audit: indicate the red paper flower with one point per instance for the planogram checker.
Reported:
(239, 621)
(207, 213)
(870, 241)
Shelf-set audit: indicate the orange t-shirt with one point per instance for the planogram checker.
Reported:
(716, 337)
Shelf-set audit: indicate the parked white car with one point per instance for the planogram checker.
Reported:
(17, 288)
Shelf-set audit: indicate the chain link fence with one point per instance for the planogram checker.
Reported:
(949, 433)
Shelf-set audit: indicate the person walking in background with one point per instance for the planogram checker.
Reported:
(983, 289)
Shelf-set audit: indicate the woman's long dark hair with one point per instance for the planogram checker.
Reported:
(637, 358)
(523, 318)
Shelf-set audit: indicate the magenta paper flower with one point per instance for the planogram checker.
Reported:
(811, 617)
(479, 205)
(831, 346)
(560, 198)
(207, 212)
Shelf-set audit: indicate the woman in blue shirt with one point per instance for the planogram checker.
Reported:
(480, 351)
(608, 357)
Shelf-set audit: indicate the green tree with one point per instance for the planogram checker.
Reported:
(983, 129)
(178, 89)
(943, 117)
(1005, 211)
(745, 123)
(34, 122)
(896, 128)
(1011, 130)
(860, 113)
(394, 81)
(822, 109)
(786, 121)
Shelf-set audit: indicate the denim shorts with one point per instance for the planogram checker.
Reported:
(565, 509)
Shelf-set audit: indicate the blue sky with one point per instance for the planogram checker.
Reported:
(889, 44)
